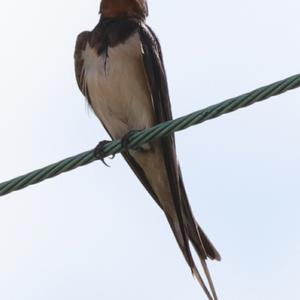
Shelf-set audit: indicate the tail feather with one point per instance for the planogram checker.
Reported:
(209, 279)
(204, 249)
(203, 285)
(203, 246)
(210, 250)
(186, 253)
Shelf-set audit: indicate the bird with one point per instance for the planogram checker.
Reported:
(120, 70)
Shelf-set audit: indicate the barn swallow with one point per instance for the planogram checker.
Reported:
(119, 69)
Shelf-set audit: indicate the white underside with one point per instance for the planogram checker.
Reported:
(118, 88)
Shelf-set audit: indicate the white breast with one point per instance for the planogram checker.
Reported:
(118, 89)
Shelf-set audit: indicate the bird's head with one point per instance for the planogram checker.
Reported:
(124, 8)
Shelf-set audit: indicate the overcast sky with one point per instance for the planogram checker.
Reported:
(95, 233)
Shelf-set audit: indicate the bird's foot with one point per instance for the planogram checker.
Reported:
(99, 151)
(126, 140)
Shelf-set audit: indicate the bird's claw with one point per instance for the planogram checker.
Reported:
(126, 138)
(99, 152)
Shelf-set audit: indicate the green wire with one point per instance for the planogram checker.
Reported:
(150, 134)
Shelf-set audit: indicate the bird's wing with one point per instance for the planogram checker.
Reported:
(167, 115)
(155, 71)
(81, 42)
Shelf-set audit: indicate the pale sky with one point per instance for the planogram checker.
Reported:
(95, 233)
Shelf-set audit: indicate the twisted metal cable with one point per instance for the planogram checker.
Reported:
(150, 134)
